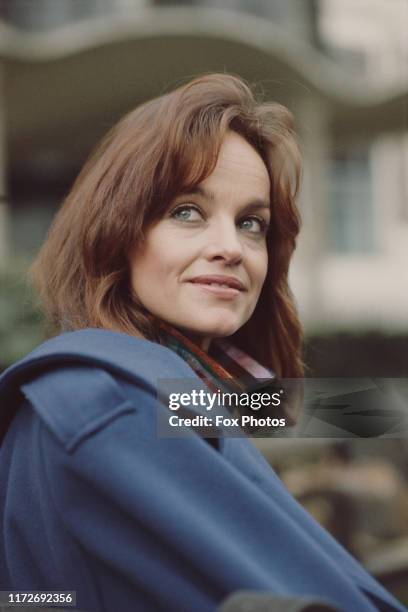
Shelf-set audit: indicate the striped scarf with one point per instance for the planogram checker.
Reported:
(228, 369)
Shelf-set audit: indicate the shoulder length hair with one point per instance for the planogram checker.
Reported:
(162, 148)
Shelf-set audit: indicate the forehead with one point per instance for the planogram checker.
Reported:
(239, 167)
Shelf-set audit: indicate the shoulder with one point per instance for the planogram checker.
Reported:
(115, 351)
(74, 381)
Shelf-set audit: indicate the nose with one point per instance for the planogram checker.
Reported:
(224, 244)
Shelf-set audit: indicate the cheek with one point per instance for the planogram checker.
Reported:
(144, 266)
(260, 269)
(157, 265)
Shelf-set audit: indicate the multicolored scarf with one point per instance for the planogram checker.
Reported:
(228, 369)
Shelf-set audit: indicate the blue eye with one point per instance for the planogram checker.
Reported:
(254, 225)
(189, 213)
(186, 213)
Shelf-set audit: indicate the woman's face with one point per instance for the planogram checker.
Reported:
(209, 238)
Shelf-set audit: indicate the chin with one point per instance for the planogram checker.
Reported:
(219, 329)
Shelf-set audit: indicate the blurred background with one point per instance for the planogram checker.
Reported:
(69, 69)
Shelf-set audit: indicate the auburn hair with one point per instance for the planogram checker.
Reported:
(159, 150)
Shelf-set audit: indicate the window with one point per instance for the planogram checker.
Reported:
(351, 223)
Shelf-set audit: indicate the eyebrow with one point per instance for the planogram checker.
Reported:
(256, 204)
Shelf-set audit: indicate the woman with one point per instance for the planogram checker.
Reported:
(176, 235)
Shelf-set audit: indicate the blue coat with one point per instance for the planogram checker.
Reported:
(92, 500)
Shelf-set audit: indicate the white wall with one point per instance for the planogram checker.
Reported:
(362, 290)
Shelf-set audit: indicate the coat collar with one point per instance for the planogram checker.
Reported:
(175, 357)
(133, 358)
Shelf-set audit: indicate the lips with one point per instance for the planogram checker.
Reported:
(219, 280)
